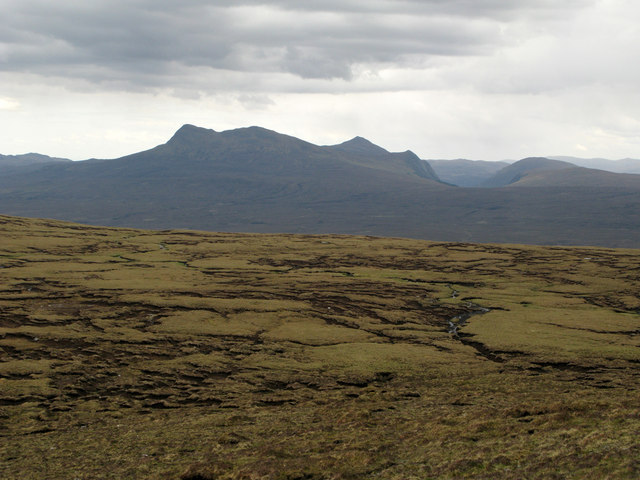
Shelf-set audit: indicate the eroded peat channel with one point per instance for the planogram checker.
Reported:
(460, 320)
(176, 354)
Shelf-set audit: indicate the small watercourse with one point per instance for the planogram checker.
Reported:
(455, 323)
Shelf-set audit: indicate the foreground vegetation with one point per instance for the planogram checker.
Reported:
(188, 355)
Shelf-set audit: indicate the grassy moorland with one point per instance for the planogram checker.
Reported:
(188, 355)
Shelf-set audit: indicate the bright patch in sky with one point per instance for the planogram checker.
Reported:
(9, 104)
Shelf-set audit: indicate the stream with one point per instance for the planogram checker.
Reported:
(459, 321)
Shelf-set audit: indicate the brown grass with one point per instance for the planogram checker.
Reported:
(138, 354)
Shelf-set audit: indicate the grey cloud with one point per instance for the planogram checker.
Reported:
(499, 9)
(255, 102)
(148, 43)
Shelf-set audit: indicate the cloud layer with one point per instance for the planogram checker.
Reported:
(147, 44)
(488, 77)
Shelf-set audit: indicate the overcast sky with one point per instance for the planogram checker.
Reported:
(481, 79)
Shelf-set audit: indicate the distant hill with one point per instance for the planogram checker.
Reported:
(544, 172)
(256, 180)
(578, 177)
(514, 172)
(24, 164)
(625, 165)
(474, 173)
(28, 159)
(465, 173)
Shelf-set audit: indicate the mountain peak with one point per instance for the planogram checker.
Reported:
(360, 145)
(190, 133)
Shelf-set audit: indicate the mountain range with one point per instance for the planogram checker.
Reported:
(256, 180)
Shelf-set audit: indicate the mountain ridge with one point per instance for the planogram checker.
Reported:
(29, 159)
(257, 180)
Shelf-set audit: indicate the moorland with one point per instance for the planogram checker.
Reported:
(190, 355)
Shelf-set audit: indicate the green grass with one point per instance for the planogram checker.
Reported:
(166, 355)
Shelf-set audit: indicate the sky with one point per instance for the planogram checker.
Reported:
(478, 79)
